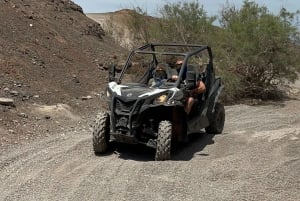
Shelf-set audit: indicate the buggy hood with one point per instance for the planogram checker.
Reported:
(134, 90)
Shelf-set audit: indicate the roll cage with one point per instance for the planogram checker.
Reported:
(152, 49)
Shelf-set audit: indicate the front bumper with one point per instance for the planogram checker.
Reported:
(130, 139)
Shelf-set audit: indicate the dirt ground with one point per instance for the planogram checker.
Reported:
(55, 75)
(256, 158)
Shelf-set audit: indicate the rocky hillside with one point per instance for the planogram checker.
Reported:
(51, 49)
(51, 57)
(117, 25)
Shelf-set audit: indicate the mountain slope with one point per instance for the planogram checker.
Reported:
(46, 45)
(120, 24)
(51, 55)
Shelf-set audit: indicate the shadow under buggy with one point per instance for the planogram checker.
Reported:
(141, 112)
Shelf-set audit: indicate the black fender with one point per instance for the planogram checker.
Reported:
(215, 93)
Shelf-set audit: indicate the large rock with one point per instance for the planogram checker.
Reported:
(6, 101)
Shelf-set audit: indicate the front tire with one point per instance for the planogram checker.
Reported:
(216, 120)
(163, 147)
(101, 133)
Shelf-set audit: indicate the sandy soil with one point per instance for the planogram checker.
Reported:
(256, 158)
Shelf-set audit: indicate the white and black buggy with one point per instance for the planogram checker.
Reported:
(140, 113)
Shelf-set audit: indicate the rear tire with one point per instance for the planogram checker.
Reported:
(163, 147)
(101, 133)
(216, 120)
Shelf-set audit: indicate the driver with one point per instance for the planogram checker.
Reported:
(160, 74)
(191, 98)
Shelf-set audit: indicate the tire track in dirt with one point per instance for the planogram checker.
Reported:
(257, 158)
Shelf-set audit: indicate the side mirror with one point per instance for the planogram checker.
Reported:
(190, 80)
(111, 73)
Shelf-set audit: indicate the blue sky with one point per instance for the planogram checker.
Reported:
(151, 6)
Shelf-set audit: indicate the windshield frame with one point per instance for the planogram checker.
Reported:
(193, 49)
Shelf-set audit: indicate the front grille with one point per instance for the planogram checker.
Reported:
(128, 107)
(122, 122)
(123, 106)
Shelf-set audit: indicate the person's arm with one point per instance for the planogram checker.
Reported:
(200, 88)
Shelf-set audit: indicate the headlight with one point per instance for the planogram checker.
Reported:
(161, 99)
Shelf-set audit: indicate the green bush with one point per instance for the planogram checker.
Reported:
(185, 22)
(260, 48)
(255, 51)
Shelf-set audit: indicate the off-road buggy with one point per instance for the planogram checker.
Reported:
(154, 115)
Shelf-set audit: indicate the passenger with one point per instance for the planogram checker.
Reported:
(160, 75)
(199, 89)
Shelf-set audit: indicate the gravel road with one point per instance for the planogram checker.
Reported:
(256, 158)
